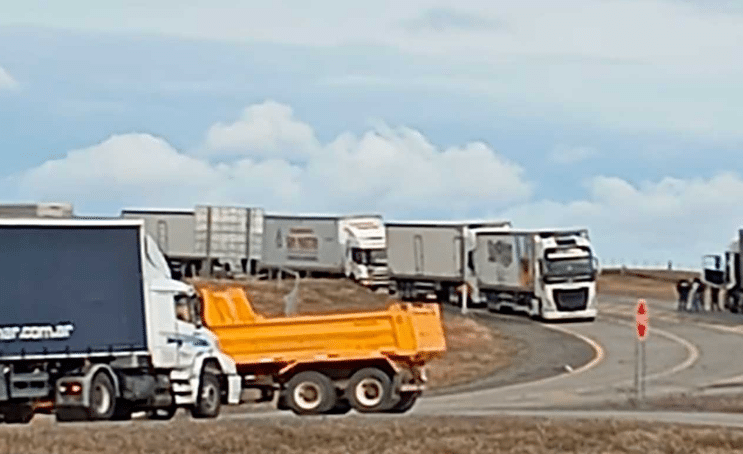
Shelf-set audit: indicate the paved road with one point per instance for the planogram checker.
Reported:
(688, 353)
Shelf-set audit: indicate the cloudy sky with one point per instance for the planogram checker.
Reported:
(621, 115)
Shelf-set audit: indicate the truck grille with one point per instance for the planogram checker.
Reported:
(571, 300)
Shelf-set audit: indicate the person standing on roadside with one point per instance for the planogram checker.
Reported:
(714, 298)
(683, 287)
(697, 295)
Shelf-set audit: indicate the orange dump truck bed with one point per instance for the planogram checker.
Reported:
(406, 332)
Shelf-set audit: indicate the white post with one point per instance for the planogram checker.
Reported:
(464, 299)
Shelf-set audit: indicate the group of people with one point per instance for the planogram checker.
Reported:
(692, 295)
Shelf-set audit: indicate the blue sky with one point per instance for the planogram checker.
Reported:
(620, 115)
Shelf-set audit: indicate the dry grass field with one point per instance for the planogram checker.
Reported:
(473, 350)
(642, 283)
(434, 435)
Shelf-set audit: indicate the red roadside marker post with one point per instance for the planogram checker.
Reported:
(643, 328)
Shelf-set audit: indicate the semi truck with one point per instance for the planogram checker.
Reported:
(549, 274)
(93, 327)
(328, 364)
(206, 239)
(724, 272)
(354, 246)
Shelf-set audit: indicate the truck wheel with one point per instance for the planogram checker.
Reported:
(209, 400)
(406, 402)
(19, 414)
(369, 390)
(102, 397)
(310, 393)
(122, 411)
(162, 414)
(341, 408)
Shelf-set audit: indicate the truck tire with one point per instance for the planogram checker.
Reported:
(310, 393)
(209, 399)
(122, 411)
(369, 390)
(406, 402)
(102, 397)
(162, 414)
(341, 408)
(18, 414)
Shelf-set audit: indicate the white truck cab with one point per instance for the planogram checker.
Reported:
(365, 258)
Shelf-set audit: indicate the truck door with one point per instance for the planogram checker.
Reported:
(187, 330)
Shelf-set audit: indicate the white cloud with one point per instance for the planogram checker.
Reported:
(264, 130)
(656, 221)
(631, 65)
(570, 155)
(6, 80)
(392, 169)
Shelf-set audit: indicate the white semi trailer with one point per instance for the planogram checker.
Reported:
(94, 328)
(354, 246)
(207, 238)
(549, 274)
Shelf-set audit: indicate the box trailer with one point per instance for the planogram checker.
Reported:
(328, 363)
(36, 210)
(427, 259)
(354, 246)
(207, 238)
(93, 327)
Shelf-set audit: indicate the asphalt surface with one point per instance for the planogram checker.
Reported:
(690, 353)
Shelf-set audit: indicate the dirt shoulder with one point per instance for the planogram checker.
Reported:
(474, 350)
(660, 284)
(452, 435)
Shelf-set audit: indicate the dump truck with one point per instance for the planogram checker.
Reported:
(327, 364)
(207, 239)
(92, 327)
(354, 246)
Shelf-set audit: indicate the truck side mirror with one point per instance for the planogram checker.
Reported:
(596, 266)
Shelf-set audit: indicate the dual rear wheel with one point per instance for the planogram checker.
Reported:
(369, 390)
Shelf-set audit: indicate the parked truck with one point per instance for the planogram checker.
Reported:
(724, 272)
(207, 238)
(327, 364)
(36, 210)
(93, 327)
(549, 274)
(354, 246)
(427, 259)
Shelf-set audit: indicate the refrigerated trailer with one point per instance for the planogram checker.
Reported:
(426, 259)
(548, 274)
(36, 210)
(92, 327)
(207, 238)
(354, 246)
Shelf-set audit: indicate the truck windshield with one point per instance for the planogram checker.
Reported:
(378, 256)
(565, 264)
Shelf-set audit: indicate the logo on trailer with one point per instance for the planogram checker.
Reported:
(36, 332)
(500, 252)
